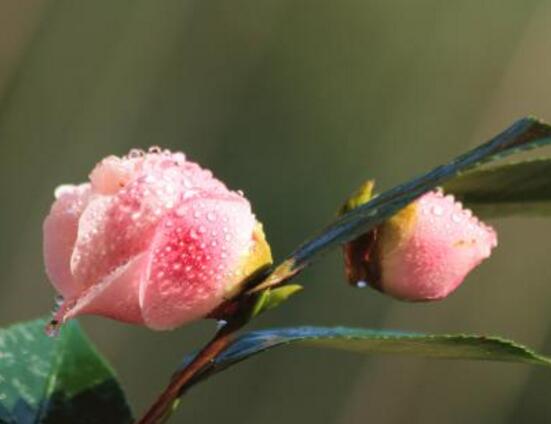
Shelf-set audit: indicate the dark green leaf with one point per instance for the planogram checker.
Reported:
(56, 380)
(518, 188)
(525, 134)
(460, 346)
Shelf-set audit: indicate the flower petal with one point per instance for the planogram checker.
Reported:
(195, 259)
(115, 297)
(60, 233)
(430, 247)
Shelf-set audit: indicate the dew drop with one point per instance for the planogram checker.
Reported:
(154, 150)
(52, 328)
(135, 153)
(220, 324)
(456, 218)
(196, 214)
(193, 234)
(211, 216)
(361, 284)
(63, 189)
(437, 210)
(202, 229)
(189, 194)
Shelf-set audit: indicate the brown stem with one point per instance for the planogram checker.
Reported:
(237, 313)
(163, 406)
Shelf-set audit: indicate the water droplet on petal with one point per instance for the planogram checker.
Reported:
(135, 153)
(189, 194)
(437, 210)
(154, 150)
(62, 189)
(361, 284)
(211, 216)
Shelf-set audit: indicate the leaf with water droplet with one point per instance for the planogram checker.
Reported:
(56, 380)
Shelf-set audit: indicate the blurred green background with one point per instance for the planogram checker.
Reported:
(294, 102)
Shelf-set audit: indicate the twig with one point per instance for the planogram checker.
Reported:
(167, 401)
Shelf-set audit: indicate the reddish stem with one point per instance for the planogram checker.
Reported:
(237, 313)
(163, 406)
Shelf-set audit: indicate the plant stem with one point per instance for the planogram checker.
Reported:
(160, 411)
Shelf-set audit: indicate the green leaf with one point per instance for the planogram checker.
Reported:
(517, 188)
(459, 346)
(525, 134)
(56, 380)
(272, 298)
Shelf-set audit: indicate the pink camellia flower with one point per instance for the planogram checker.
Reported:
(153, 239)
(422, 253)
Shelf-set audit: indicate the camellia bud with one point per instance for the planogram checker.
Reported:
(422, 253)
(153, 239)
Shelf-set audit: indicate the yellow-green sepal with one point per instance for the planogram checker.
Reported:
(363, 195)
(272, 298)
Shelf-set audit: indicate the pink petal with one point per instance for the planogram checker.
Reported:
(195, 259)
(60, 233)
(117, 227)
(111, 174)
(439, 244)
(115, 297)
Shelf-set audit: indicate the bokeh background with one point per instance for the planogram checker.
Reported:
(294, 102)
